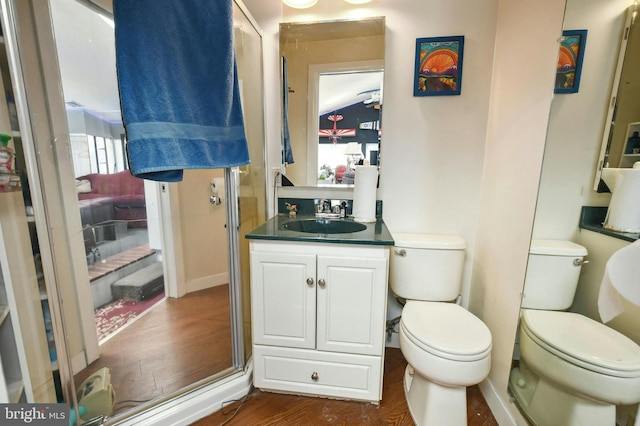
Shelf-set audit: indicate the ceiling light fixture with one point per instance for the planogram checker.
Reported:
(300, 4)
(304, 4)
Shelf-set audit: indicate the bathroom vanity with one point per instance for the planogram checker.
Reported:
(318, 305)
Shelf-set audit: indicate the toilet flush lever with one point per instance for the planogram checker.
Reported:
(400, 252)
(579, 262)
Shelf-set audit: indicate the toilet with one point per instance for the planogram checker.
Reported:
(446, 347)
(572, 370)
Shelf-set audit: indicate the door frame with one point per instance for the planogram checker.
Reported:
(46, 146)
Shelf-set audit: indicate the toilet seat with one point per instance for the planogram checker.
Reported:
(583, 342)
(446, 330)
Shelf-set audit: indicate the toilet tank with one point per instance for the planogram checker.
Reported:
(427, 266)
(552, 274)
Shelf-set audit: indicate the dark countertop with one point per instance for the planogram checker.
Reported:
(592, 218)
(376, 233)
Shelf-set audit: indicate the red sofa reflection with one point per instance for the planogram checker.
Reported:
(117, 196)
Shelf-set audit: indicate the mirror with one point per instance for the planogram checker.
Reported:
(623, 116)
(573, 144)
(332, 95)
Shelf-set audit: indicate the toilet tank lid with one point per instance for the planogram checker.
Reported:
(557, 248)
(429, 241)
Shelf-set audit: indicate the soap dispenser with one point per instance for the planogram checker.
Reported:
(6, 155)
(343, 210)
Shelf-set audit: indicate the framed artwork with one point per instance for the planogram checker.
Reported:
(572, 46)
(438, 69)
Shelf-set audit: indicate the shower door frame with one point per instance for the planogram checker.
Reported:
(44, 150)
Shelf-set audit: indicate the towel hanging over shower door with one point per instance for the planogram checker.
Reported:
(178, 86)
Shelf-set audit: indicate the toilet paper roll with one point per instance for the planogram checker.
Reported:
(620, 280)
(364, 194)
(623, 214)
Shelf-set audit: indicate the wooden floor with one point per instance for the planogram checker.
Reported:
(263, 408)
(178, 342)
(184, 340)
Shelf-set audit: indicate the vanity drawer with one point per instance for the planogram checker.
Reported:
(317, 373)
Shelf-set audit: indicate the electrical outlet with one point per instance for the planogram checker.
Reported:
(277, 176)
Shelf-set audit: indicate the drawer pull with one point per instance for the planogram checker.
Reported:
(310, 281)
(321, 283)
(314, 376)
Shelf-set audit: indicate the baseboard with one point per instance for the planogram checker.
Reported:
(188, 408)
(78, 363)
(207, 282)
(504, 412)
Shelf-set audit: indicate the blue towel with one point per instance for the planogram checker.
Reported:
(287, 153)
(178, 86)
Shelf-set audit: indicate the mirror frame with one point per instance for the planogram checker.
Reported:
(607, 133)
(309, 161)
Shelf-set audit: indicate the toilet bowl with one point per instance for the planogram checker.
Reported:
(447, 348)
(572, 370)
(445, 342)
(568, 357)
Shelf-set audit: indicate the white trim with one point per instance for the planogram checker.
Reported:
(334, 192)
(504, 415)
(207, 282)
(200, 403)
(171, 237)
(614, 94)
(312, 107)
(78, 363)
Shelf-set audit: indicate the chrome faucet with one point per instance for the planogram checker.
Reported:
(324, 206)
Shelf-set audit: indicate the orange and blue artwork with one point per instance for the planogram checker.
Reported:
(438, 68)
(572, 45)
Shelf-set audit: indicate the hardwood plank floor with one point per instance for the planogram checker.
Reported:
(187, 339)
(178, 342)
(264, 408)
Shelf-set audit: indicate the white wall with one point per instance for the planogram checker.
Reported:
(524, 71)
(432, 147)
(436, 149)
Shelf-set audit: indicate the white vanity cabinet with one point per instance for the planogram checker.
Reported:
(318, 315)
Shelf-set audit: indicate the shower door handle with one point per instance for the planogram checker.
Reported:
(215, 199)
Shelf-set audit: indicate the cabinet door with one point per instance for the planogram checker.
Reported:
(283, 299)
(351, 304)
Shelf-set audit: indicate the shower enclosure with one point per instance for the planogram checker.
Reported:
(41, 111)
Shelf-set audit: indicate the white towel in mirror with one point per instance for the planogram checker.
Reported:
(621, 279)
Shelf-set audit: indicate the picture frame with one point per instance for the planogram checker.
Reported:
(569, 69)
(438, 66)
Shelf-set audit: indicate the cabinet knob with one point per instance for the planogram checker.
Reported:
(314, 376)
(310, 281)
(321, 283)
